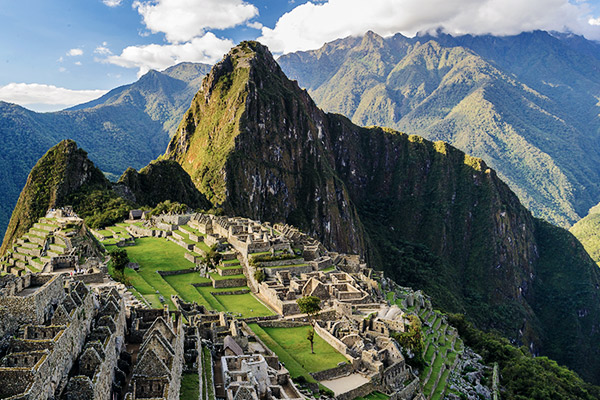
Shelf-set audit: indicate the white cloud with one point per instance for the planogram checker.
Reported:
(62, 69)
(310, 25)
(183, 20)
(112, 3)
(78, 63)
(594, 21)
(46, 97)
(103, 50)
(75, 52)
(207, 49)
(255, 25)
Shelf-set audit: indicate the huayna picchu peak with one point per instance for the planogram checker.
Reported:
(277, 251)
(429, 215)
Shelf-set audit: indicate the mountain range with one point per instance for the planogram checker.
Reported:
(434, 218)
(127, 127)
(526, 104)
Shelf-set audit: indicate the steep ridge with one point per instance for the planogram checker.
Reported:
(62, 171)
(526, 104)
(431, 216)
(127, 127)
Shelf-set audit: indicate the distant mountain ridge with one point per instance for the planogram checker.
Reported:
(526, 104)
(127, 127)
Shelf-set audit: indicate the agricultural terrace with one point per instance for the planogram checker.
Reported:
(159, 254)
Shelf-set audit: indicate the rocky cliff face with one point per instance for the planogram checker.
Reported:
(430, 215)
(526, 104)
(62, 171)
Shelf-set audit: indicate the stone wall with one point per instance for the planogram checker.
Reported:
(272, 271)
(104, 376)
(335, 343)
(333, 373)
(177, 272)
(230, 271)
(51, 371)
(360, 391)
(233, 292)
(277, 263)
(227, 283)
(35, 307)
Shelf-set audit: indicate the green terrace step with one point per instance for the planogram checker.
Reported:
(39, 232)
(53, 253)
(30, 245)
(58, 248)
(36, 263)
(45, 227)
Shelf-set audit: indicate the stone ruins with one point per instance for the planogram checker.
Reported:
(67, 331)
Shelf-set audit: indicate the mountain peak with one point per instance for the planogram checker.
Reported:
(63, 170)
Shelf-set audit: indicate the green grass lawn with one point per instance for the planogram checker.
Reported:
(190, 387)
(155, 254)
(245, 304)
(183, 285)
(291, 344)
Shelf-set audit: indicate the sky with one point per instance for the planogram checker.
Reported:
(58, 53)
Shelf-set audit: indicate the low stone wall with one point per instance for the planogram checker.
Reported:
(260, 319)
(178, 272)
(408, 392)
(335, 343)
(181, 243)
(278, 263)
(232, 292)
(272, 271)
(281, 324)
(192, 258)
(202, 284)
(333, 373)
(227, 283)
(229, 272)
(360, 391)
(199, 250)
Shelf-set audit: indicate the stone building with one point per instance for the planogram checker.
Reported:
(37, 363)
(157, 372)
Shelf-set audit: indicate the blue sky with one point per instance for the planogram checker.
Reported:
(62, 52)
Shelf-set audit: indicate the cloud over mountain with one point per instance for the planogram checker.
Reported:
(310, 25)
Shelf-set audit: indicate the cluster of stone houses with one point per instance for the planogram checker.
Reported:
(62, 340)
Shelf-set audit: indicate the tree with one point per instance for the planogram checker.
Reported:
(120, 259)
(310, 305)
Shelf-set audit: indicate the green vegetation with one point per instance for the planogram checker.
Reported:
(190, 387)
(587, 231)
(245, 304)
(208, 385)
(155, 254)
(523, 376)
(412, 340)
(310, 305)
(288, 344)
